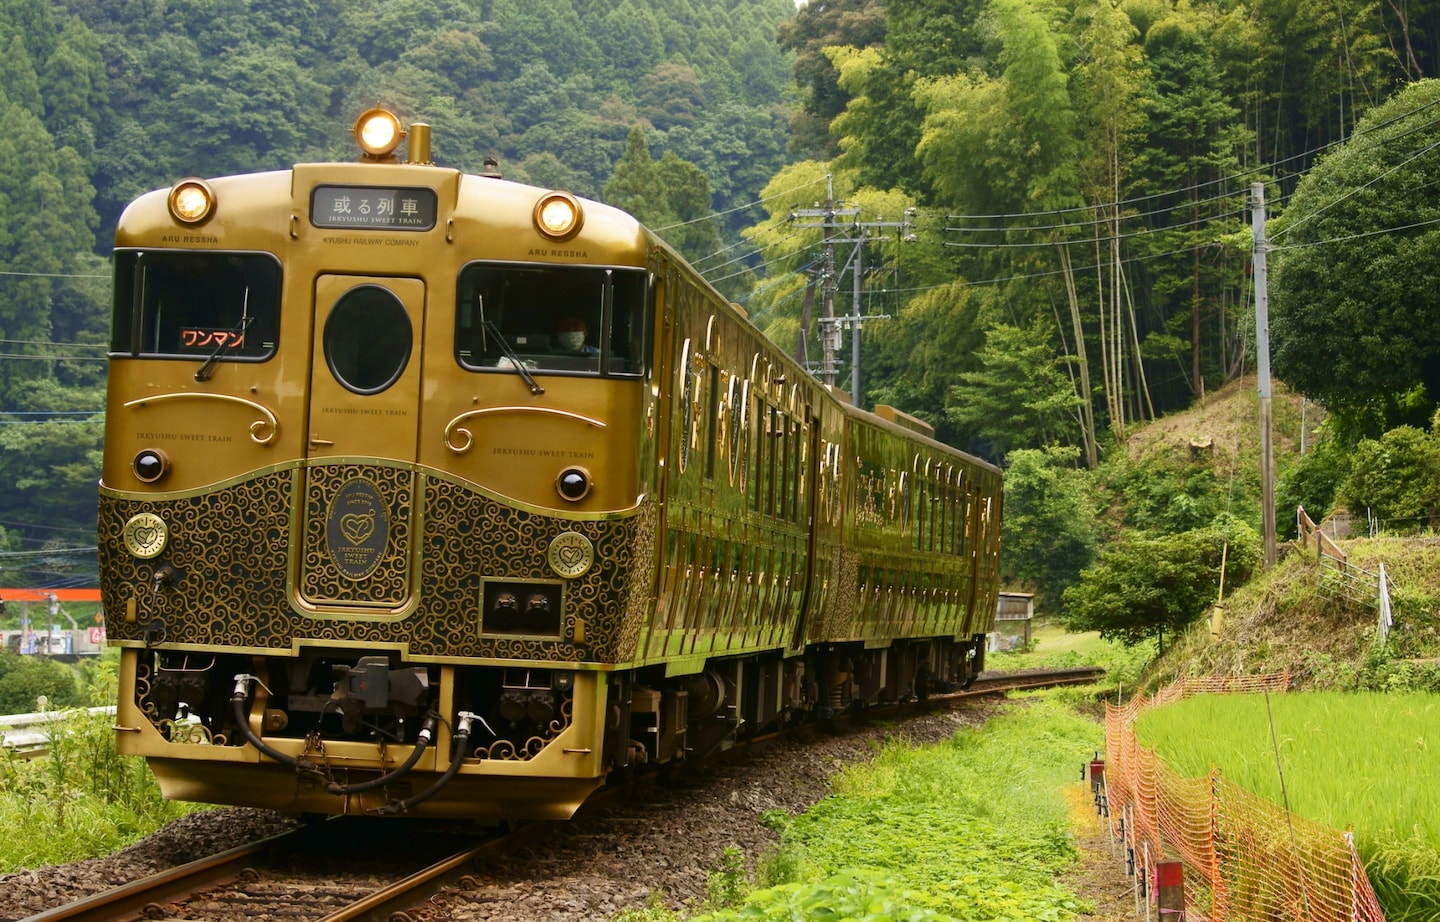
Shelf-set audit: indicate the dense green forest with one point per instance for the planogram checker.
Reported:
(1040, 209)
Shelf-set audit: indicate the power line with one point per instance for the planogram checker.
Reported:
(23, 356)
(721, 214)
(52, 275)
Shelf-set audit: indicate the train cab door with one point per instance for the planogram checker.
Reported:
(364, 420)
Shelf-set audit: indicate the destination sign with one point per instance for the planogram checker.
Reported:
(373, 208)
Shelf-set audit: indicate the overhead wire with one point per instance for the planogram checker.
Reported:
(760, 201)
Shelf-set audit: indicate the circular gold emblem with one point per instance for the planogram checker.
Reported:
(145, 535)
(571, 554)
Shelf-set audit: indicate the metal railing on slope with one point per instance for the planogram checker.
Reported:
(1341, 580)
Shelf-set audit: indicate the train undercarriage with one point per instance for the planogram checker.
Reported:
(365, 732)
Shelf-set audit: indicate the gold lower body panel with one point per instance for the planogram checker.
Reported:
(273, 786)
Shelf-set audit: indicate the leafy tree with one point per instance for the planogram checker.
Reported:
(1395, 478)
(52, 469)
(671, 95)
(629, 38)
(739, 148)
(76, 89)
(687, 198)
(671, 196)
(1355, 310)
(1050, 530)
(1147, 585)
(255, 107)
(18, 80)
(815, 28)
(1190, 147)
(45, 225)
(1312, 482)
(1020, 397)
(978, 130)
(1174, 490)
(880, 129)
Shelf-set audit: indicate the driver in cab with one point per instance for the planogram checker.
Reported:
(570, 336)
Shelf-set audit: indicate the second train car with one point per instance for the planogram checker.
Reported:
(434, 493)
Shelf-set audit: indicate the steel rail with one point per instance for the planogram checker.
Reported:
(132, 899)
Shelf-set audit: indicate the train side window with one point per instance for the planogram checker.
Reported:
(552, 318)
(626, 344)
(172, 304)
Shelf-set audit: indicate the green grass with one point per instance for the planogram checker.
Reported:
(1053, 647)
(82, 801)
(971, 829)
(1365, 761)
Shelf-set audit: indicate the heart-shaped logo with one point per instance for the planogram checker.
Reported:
(145, 535)
(571, 554)
(356, 527)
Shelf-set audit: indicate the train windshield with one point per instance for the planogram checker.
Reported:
(552, 318)
(207, 306)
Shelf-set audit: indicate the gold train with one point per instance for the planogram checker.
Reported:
(440, 494)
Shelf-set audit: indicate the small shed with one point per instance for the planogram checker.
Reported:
(1014, 612)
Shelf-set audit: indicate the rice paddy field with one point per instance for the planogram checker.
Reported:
(1366, 761)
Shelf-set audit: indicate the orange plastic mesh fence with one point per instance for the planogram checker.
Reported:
(1245, 858)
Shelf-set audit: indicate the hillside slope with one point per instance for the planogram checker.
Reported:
(1283, 621)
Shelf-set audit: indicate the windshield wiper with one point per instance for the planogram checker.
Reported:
(514, 358)
(231, 337)
(488, 326)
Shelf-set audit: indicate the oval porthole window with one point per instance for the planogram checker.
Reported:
(367, 339)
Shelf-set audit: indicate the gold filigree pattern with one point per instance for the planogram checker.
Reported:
(196, 734)
(231, 549)
(321, 580)
(504, 750)
(641, 584)
(844, 612)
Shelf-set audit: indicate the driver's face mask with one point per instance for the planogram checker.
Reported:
(572, 340)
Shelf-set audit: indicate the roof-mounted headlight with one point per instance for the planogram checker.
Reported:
(192, 201)
(558, 215)
(378, 133)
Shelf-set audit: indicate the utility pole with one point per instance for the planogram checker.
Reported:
(829, 334)
(1262, 350)
(831, 326)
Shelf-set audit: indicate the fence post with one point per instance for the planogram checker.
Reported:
(1170, 890)
(1219, 901)
(1386, 620)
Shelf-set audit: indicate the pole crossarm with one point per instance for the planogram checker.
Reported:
(841, 225)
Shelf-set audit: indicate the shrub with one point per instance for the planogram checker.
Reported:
(23, 679)
(1148, 585)
(1395, 477)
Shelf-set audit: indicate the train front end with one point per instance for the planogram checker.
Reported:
(375, 477)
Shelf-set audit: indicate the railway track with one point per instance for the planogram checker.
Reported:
(358, 868)
(992, 682)
(341, 870)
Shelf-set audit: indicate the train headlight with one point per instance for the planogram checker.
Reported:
(192, 201)
(151, 465)
(558, 215)
(378, 133)
(573, 483)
